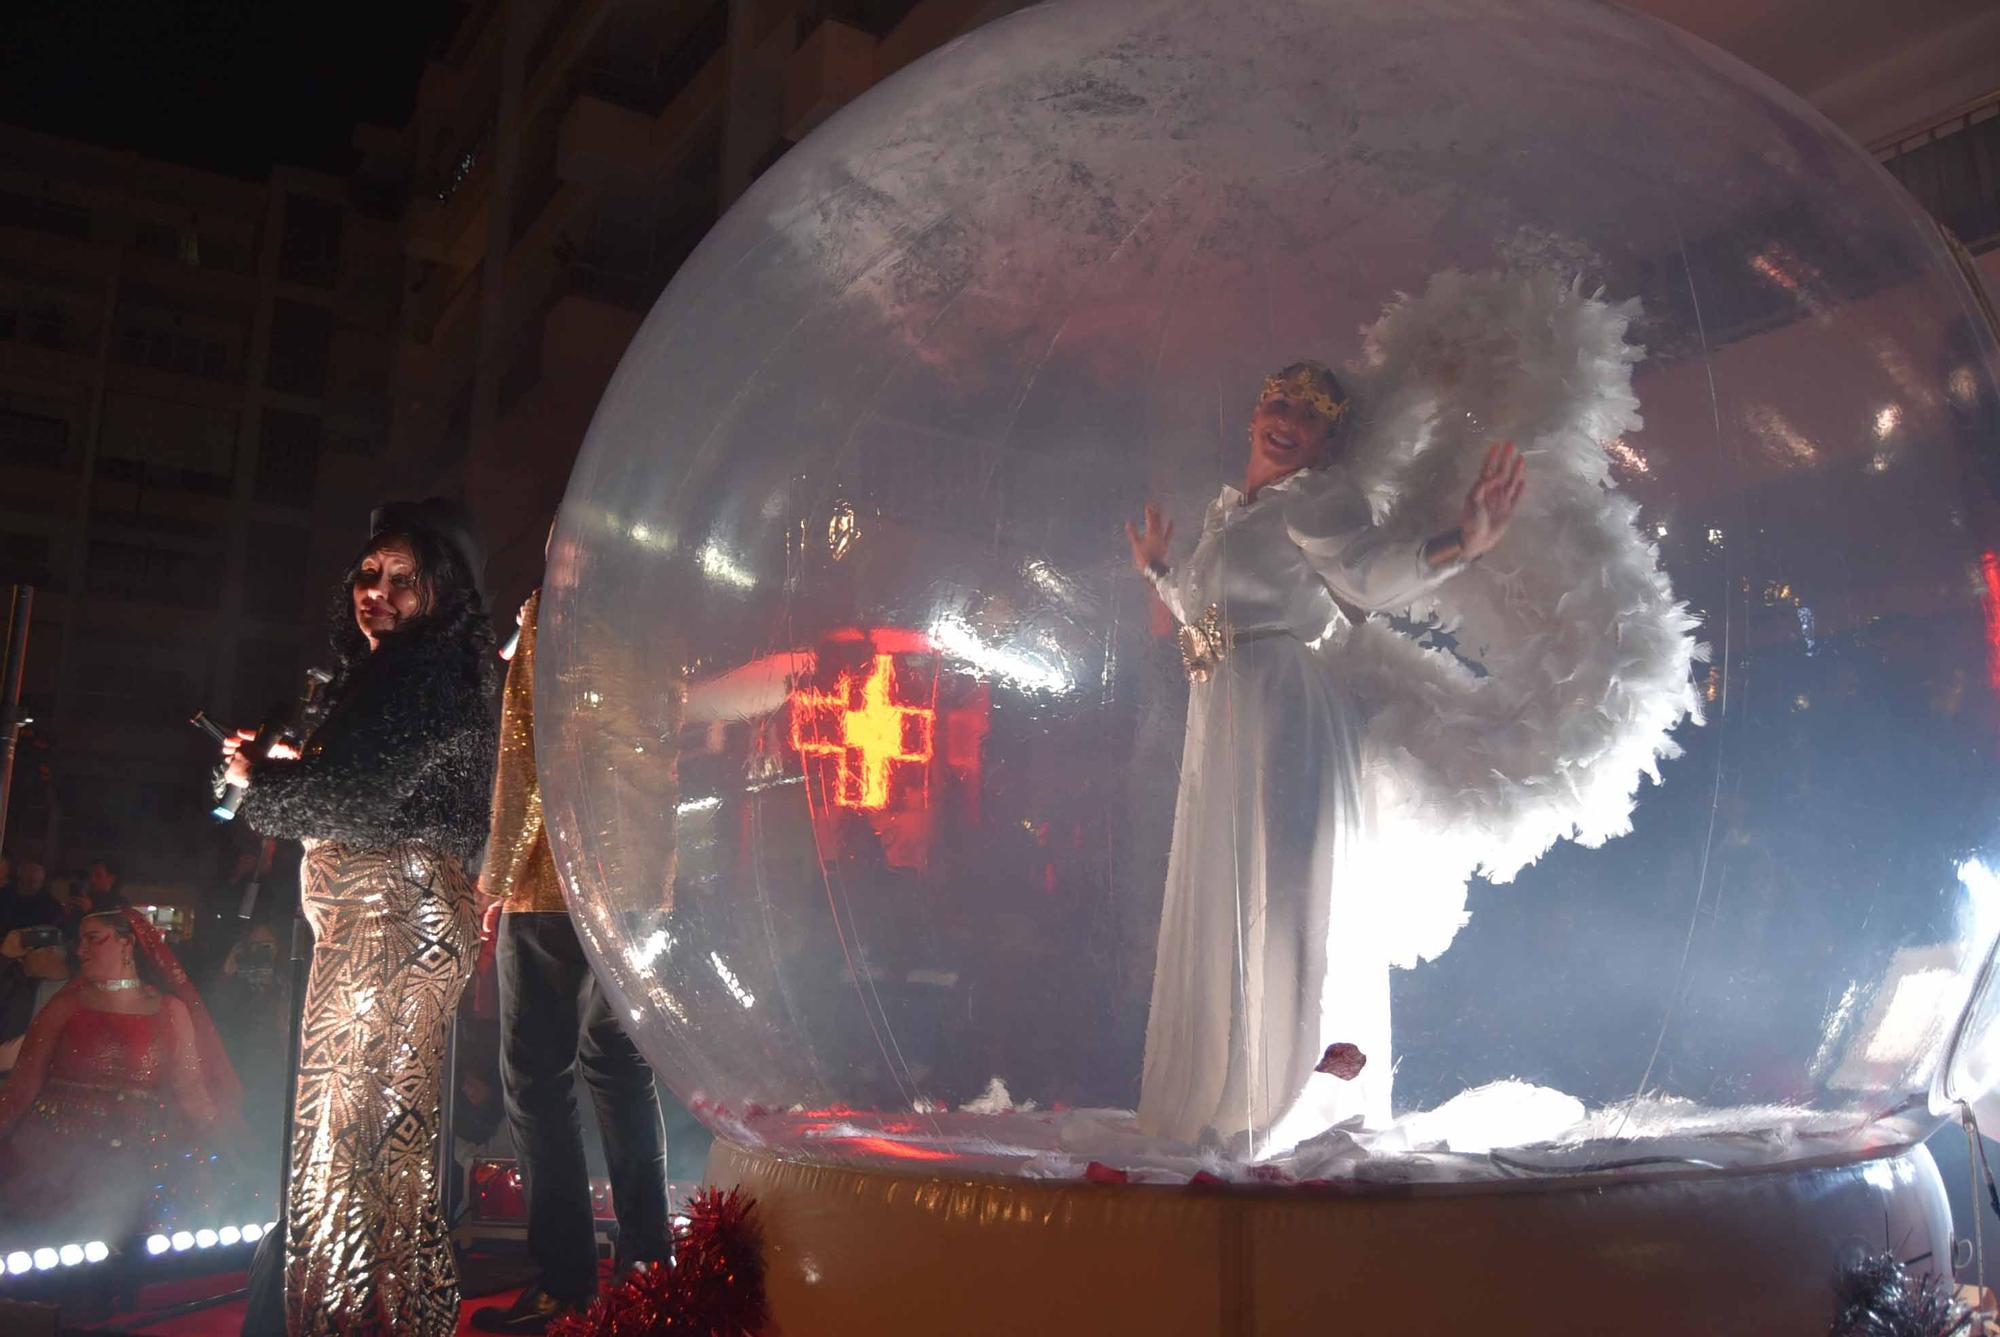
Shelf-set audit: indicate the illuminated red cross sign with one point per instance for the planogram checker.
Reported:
(864, 730)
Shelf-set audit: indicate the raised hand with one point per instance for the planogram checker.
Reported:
(1489, 506)
(1149, 546)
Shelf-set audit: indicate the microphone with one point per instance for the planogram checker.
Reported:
(283, 724)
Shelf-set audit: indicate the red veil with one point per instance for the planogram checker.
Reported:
(218, 1074)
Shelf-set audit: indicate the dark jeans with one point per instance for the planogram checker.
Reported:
(554, 1013)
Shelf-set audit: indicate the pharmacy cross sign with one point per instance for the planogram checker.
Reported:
(864, 730)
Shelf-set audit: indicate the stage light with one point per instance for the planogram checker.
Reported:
(70, 1254)
(46, 1258)
(182, 1241)
(96, 1251)
(204, 1239)
(19, 1262)
(158, 1244)
(252, 1233)
(229, 1235)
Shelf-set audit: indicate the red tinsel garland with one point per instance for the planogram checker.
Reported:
(713, 1288)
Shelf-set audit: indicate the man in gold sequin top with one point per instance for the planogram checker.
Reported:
(553, 1015)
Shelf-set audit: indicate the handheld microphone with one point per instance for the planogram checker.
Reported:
(284, 723)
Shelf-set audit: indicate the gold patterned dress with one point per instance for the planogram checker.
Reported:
(368, 1247)
(390, 800)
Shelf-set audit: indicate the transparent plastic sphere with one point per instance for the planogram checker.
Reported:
(904, 834)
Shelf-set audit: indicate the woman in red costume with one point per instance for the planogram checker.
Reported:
(120, 1084)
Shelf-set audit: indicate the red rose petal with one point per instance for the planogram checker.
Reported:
(1342, 1060)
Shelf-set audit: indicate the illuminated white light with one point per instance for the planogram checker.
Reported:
(19, 1261)
(956, 639)
(730, 982)
(709, 804)
(1887, 419)
(1660, 531)
(182, 1241)
(640, 533)
(593, 699)
(70, 1254)
(719, 565)
(1782, 441)
(96, 1251)
(252, 1233)
(1912, 1021)
(1836, 1024)
(1622, 454)
(1879, 462)
(158, 1244)
(204, 1239)
(657, 943)
(229, 1235)
(46, 1258)
(1714, 538)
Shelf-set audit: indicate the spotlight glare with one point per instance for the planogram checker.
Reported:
(46, 1258)
(229, 1235)
(18, 1262)
(204, 1239)
(97, 1251)
(71, 1254)
(252, 1233)
(182, 1241)
(158, 1244)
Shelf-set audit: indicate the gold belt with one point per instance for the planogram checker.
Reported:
(1207, 641)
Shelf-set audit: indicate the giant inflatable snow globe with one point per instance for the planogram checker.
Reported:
(1319, 914)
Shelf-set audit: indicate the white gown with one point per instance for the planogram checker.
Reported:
(1269, 951)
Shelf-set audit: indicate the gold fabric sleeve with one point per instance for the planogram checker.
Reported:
(519, 871)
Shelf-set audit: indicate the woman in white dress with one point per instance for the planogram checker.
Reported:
(1265, 957)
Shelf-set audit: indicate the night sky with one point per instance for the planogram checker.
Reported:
(231, 85)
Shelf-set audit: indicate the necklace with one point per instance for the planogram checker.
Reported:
(113, 986)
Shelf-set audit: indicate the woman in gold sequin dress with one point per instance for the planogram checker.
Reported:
(390, 799)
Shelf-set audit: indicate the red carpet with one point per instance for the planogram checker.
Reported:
(226, 1319)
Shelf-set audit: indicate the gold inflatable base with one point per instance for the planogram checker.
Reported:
(873, 1252)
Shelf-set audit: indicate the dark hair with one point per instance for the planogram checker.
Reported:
(117, 922)
(106, 865)
(453, 605)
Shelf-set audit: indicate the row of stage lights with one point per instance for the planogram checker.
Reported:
(49, 1257)
(181, 1240)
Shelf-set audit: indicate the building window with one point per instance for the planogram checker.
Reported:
(24, 560)
(1953, 174)
(143, 573)
(33, 440)
(301, 337)
(309, 247)
(166, 443)
(288, 458)
(144, 342)
(274, 573)
(40, 215)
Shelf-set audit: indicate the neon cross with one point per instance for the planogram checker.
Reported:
(875, 731)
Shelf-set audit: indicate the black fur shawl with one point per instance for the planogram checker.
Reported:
(406, 753)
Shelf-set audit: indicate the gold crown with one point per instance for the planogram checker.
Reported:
(1304, 385)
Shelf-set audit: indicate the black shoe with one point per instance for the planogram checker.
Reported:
(532, 1312)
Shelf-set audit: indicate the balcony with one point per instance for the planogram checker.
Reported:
(448, 218)
(608, 146)
(830, 69)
